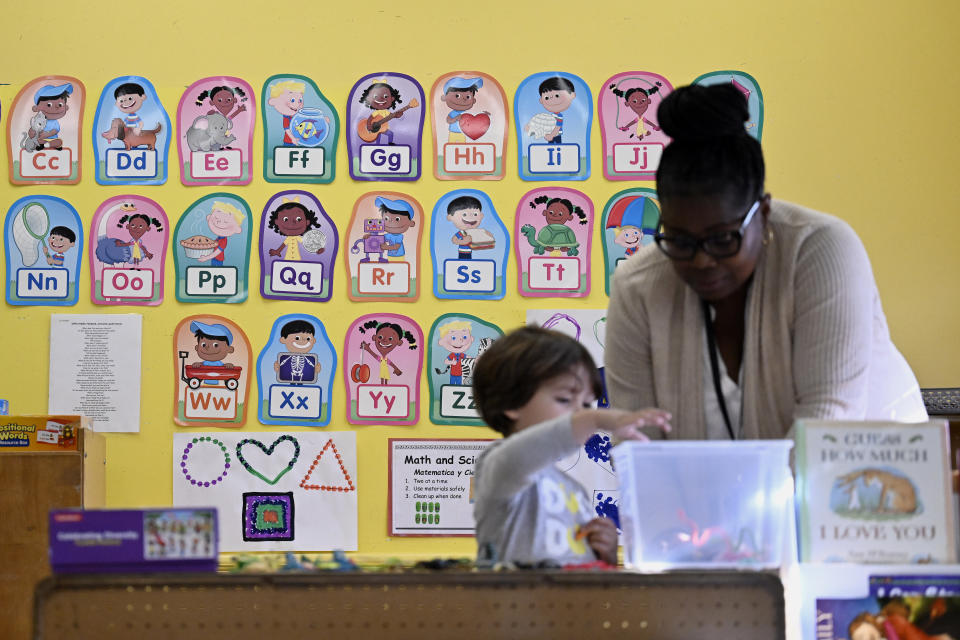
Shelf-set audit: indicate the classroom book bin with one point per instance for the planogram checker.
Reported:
(696, 505)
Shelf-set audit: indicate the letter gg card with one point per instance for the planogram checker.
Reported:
(43, 242)
(128, 250)
(629, 221)
(212, 250)
(383, 139)
(382, 359)
(212, 359)
(456, 341)
(469, 112)
(301, 129)
(553, 112)
(470, 246)
(747, 85)
(295, 373)
(632, 139)
(554, 253)
(384, 256)
(215, 118)
(43, 131)
(298, 247)
(131, 133)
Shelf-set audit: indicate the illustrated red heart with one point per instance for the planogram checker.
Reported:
(474, 126)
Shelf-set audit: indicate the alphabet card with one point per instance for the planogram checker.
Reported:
(212, 250)
(470, 246)
(212, 359)
(275, 491)
(43, 242)
(553, 112)
(469, 126)
(295, 373)
(43, 131)
(382, 359)
(629, 221)
(298, 247)
(748, 86)
(632, 139)
(384, 256)
(586, 326)
(383, 140)
(554, 253)
(131, 133)
(456, 341)
(216, 117)
(128, 250)
(301, 129)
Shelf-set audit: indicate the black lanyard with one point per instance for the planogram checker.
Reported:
(715, 367)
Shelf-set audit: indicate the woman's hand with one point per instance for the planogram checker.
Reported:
(622, 425)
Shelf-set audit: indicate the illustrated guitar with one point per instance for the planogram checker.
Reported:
(370, 132)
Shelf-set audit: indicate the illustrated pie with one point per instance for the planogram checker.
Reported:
(198, 246)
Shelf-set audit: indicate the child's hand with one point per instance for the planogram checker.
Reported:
(601, 535)
(622, 425)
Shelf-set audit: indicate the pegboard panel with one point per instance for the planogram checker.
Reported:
(942, 401)
(465, 606)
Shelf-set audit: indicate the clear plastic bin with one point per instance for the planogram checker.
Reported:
(704, 504)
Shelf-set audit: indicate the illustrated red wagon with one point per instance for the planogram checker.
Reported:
(196, 374)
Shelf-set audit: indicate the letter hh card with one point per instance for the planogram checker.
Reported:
(629, 221)
(747, 85)
(131, 133)
(469, 126)
(384, 127)
(553, 254)
(295, 373)
(128, 250)
(298, 247)
(384, 256)
(632, 139)
(215, 118)
(212, 250)
(301, 129)
(456, 341)
(382, 359)
(43, 242)
(43, 131)
(553, 112)
(470, 246)
(212, 359)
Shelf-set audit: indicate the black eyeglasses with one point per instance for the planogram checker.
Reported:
(717, 245)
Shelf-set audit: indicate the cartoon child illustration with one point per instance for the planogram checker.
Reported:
(466, 214)
(397, 217)
(223, 99)
(637, 99)
(130, 96)
(60, 239)
(556, 95)
(224, 220)
(286, 97)
(297, 365)
(297, 223)
(456, 337)
(460, 94)
(51, 101)
(214, 342)
(388, 337)
(382, 100)
(137, 224)
(556, 238)
(629, 237)
(633, 217)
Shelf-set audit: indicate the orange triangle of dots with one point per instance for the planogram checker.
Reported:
(348, 486)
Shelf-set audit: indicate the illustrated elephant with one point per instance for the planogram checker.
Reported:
(210, 133)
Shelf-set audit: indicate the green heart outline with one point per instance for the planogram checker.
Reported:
(269, 451)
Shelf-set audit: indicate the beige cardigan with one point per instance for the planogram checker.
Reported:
(816, 343)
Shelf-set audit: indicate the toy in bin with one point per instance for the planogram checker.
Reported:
(214, 342)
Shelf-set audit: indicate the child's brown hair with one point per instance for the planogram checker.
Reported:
(508, 374)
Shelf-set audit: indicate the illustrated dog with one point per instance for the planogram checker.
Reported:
(119, 131)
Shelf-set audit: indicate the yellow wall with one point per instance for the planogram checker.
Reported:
(861, 121)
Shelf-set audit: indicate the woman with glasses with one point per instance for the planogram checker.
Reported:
(751, 312)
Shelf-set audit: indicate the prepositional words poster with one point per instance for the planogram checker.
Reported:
(431, 486)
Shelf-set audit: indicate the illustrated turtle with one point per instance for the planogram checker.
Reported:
(552, 237)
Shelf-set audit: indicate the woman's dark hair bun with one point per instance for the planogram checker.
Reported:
(700, 112)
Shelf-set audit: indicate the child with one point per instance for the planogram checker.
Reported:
(287, 98)
(297, 365)
(637, 99)
(130, 97)
(381, 99)
(224, 220)
(456, 337)
(556, 96)
(536, 386)
(459, 94)
(292, 220)
(51, 101)
(397, 217)
(137, 224)
(466, 213)
(60, 239)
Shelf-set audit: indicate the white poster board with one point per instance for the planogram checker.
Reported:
(276, 491)
(431, 486)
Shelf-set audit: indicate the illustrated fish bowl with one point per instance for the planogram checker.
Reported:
(308, 127)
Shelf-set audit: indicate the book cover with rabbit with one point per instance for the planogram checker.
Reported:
(874, 492)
